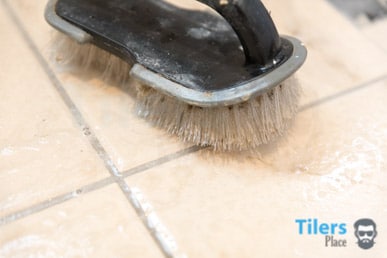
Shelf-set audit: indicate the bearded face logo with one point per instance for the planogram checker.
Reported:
(365, 232)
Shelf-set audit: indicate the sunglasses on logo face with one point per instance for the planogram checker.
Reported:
(369, 233)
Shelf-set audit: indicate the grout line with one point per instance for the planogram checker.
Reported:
(70, 104)
(162, 160)
(154, 224)
(151, 221)
(161, 240)
(62, 92)
(342, 93)
(93, 186)
(55, 201)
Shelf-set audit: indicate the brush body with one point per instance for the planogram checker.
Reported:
(198, 78)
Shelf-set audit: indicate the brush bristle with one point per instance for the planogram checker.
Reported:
(233, 128)
(90, 57)
(238, 127)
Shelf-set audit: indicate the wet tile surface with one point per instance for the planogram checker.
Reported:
(109, 109)
(101, 224)
(42, 151)
(330, 166)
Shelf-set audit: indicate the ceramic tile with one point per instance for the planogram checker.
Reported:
(361, 12)
(42, 151)
(377, 33)
(332, 167)
(110, 110)
(339, 56)
(100, 224)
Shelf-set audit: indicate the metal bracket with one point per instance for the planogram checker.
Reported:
(62, 25)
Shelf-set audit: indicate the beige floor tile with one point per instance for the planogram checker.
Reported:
(332, 168)
(100, 224)
(129, 140)
(339, 56)
(42, 151)
(377, 33)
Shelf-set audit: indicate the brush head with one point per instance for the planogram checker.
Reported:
(218, 80)
(243, 126)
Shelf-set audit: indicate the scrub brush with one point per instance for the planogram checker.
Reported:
(218, 78)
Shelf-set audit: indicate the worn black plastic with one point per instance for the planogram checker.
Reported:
(199, 50)
(254, 27)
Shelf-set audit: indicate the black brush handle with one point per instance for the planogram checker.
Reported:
(252, 23)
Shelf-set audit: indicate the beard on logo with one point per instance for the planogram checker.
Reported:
(366, 244)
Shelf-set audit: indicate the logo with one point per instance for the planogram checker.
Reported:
(365, 232)
(330, 231)
(335, 234)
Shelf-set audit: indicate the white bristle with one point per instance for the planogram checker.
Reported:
(90, 57)
(239, 127)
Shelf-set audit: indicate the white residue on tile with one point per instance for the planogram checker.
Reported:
(154, 224)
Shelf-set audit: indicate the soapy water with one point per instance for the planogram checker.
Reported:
(36, 246)
(340, 146)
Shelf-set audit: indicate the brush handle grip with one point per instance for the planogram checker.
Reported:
(255, 29)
